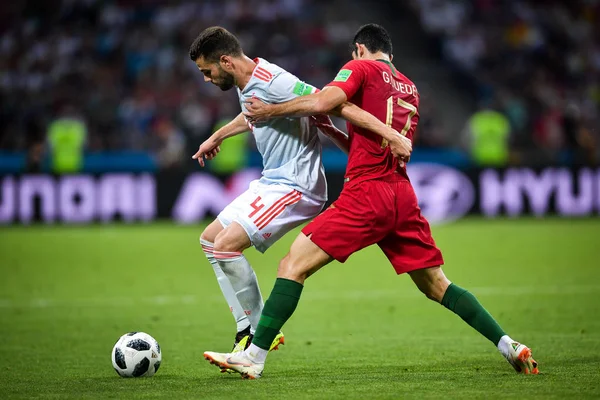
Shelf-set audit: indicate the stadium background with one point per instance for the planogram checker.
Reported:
(101, 110)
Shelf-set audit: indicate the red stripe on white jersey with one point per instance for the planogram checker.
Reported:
(280, 208)
(262, 78)
(267, 212)
(265, 72)
(262, 74)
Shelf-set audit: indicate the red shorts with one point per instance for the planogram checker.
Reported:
(382, 212)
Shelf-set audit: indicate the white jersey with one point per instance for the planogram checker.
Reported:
(290, 147)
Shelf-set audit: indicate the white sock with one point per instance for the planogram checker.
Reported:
(234, 305)
(504, 345)
(256, 354)
(244, 283)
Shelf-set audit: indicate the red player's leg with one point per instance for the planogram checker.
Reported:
(411, 248)
(304, 259)
(434, 284)
(431, 282)
(359, 218)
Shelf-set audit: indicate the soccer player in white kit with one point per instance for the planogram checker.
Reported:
(292, 189)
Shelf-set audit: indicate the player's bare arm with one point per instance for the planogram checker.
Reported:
(400, 146)
(326, 126)
(210, 148)
(317, 103)
(331, 100)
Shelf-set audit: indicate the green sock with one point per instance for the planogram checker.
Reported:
(466, 306)
(278, 309)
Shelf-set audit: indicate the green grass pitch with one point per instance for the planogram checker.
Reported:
(360, 331)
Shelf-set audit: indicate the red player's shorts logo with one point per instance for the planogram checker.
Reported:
(266, 235)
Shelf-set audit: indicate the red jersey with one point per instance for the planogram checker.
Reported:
(378, 88)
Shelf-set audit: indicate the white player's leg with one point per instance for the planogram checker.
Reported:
(207, 241)
(260, 216)
(228, 248)
(304, 259)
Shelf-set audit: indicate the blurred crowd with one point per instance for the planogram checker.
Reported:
(536, 62)
(118, 71)
(122, 67)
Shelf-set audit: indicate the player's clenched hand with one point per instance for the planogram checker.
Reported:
(256, 110)
(209, 149)
(401, 147)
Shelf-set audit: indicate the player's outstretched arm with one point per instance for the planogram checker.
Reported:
(234, 127)
(317, 103)
(210, 148)
(327, 101)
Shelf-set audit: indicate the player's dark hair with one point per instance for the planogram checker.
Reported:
(214, 42)
(374, 37)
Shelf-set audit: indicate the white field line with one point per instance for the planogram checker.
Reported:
(190, 299)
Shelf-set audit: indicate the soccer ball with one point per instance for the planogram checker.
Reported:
(136, 354)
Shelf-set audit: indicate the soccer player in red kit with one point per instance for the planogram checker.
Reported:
(377, 205)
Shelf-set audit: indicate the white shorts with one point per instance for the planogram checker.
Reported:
(267, 212)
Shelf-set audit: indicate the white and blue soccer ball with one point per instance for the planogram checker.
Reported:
(136, 354)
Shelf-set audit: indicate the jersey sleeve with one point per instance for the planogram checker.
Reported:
(350, 78)
(285, 87)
